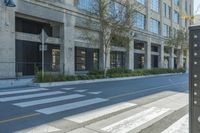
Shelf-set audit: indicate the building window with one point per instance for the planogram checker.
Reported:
(155, 5)
(176, 2)
(88, 5)
(166, 30)
(86, 59)
(117, 59)
(176, 17)
(154, 48)
(117, 11)
(154, 26)
(139, 20)
(141, 2)
(167, 10)
(139, 61)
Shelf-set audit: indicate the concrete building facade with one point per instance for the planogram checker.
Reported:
(66, 49)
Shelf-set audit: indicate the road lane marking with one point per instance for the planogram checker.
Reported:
(21, 91)
(142, 91)
(40, 129)
(180, 126)
(83, 117)
(80, 91)
(7, 99)
(95, 92)
(135, 121)
(19, 118)
(68, 89)
(48, 100)
(70, 106)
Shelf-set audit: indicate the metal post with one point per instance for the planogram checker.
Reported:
(43, 42)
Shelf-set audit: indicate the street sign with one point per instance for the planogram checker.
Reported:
(194, 83)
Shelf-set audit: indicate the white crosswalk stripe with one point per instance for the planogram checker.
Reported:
(22, 91)
(48, 100)
(180, 126)
(70, 106)
(135, 121)
(7, 99)
(83, 117)
(67, 89)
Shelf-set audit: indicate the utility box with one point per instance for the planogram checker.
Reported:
(194, 79)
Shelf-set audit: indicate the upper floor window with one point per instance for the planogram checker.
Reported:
(141, 1)
(176, 17)
(88, 5)
(166, 30)
(117, 11)
(167, 10)
(155, 5)
(176, 2)
(154, 26)
(139, 20)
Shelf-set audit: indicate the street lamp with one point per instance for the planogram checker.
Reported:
(9, 3)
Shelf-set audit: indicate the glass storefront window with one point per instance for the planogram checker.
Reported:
(117, 59)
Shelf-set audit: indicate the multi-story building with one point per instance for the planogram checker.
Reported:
(66, 49)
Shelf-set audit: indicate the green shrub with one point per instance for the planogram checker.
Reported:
(112, 73)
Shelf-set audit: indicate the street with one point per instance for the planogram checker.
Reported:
(146, 105)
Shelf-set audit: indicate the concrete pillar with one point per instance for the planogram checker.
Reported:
(180, 58)
(148, 55)
(130, 56)
(171, 58)
(148, 14)
(7, 41)
(69, 50)
(161, 56)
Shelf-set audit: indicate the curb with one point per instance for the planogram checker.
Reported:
(54, 84)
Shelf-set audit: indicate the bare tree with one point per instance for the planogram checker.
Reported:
(115, 20)
(179, 40)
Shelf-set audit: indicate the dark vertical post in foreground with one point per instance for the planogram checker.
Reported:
(194, 76)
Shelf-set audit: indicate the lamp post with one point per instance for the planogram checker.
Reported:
(9, 3)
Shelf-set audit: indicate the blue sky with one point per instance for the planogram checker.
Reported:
(196, 3)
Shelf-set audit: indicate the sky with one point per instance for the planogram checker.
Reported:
(196, 4)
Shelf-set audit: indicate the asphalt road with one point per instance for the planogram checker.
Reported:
(22, 109)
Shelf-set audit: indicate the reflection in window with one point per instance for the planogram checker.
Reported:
(86, 59)
(139, 20)
(88, 5)
(117, 59)
(154, 26)
(55, 59)
(155, 5)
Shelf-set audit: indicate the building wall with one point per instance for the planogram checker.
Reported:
(69, 18)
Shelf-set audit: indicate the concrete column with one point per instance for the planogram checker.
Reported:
(7, 41)
(161, 56)
(171, 58)
(130, 56)
(180, 58)
(69, 50)
(148, 55)
(148, 14)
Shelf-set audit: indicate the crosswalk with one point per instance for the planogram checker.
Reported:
(121, 117)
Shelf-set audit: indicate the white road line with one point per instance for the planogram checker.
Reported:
(48, 100)
(83, 117)
(22, 91)
(180, 126)
(40, 129)
(67, 89)
(135, 121)
(80, 91)
(70, 106)
(6, 99)
(95, 93)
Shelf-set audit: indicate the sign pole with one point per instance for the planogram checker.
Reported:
(43, 42)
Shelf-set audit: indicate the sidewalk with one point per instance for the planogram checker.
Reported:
(9, 83)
